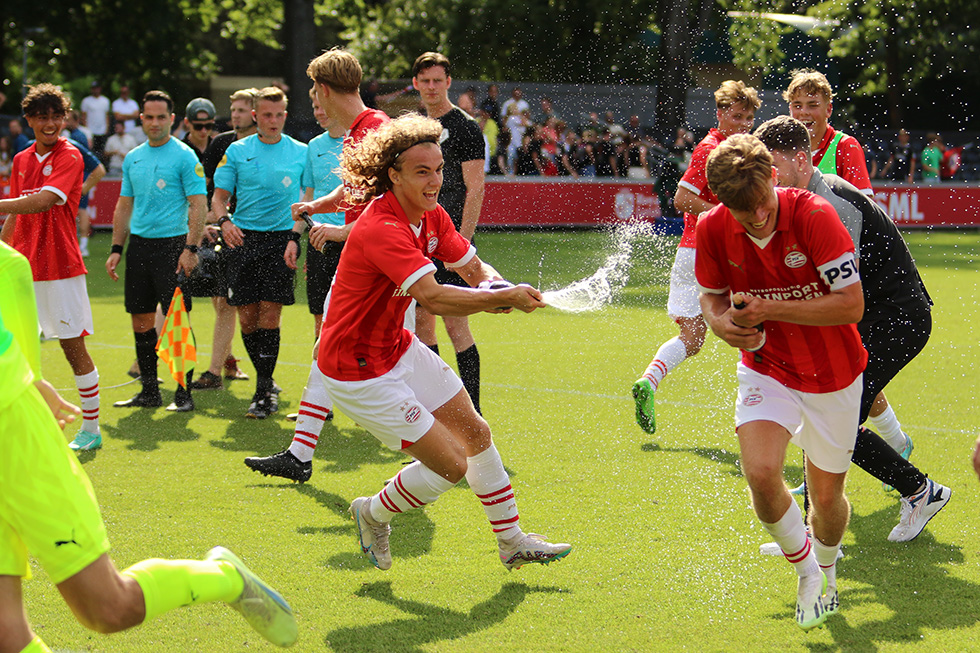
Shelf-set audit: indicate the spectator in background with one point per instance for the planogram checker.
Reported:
(199, 123)
(95, 110)
(683, 148)
(606, 164)
(634, 129)
(491, 133)
(517, 123)
(547, 111)
(117, 147)
(901, 162)
(73, 129)
(126, 109)
(585, 155)
(615, 129)
(569, 158)
(6, 162)
(370, 97)
(633, 155)
(516, 99)
(467, 103)
(527, 158)
(18, 138)
(932, 158)
(491, 104)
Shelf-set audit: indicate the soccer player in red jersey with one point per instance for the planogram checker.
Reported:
(336, 76)
(736, 106)
(45, 188)
(781, 259)
(381, 375)
(811, 101)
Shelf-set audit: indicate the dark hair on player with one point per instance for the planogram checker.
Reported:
(44, 98)
(784, 134)
(428, 60)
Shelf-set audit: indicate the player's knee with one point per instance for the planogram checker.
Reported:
(764, 478)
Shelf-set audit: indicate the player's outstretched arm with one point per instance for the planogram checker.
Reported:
(63, 411)
(458, 302)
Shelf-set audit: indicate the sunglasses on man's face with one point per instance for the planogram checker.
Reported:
(203, 125)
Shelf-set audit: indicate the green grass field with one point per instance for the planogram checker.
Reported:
(665, 553)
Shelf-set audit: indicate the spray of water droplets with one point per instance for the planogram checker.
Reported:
(594, 292)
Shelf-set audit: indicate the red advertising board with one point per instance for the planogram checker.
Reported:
(541, 202)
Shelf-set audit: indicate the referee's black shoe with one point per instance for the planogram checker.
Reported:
(283, 464)
(182, 403)
(143, 399)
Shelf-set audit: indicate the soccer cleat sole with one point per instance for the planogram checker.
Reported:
(642, 394)
(558, 556)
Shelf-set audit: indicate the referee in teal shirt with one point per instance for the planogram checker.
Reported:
(265, 173)
(161, 208)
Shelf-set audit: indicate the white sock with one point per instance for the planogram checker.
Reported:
(415, 486)
(671, 354)
(827, 559)
(488, 479)
(314, 406)
(790, 534)
(88, 391)
(889, 429)
(83, 242)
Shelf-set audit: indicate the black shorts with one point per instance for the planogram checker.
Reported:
(320, 269)
(209, 278)
(151, 276)
(256, 270)
(446, 276)
(891, 343)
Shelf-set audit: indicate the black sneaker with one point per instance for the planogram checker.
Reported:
(207, 381)
(182, 403)
(283, 464)
(262, 406)
(143, 399)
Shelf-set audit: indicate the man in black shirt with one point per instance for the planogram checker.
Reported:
(462, 197)
(901, 163)
(897, 317)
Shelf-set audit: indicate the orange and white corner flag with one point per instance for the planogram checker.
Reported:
(176, 346)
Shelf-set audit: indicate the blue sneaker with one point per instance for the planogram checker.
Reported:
(86, 441)
(799, 490)
(263, 608)
(905, 453)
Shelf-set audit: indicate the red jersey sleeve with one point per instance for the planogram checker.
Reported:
(851, 164)
(695, 178)
(708, 268)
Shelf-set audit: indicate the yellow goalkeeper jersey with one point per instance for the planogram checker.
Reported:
(20, 348)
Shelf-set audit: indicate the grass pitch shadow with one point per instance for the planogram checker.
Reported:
(426, 623)
(911, 579)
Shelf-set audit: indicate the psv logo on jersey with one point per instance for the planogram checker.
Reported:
(47, 170)
(795, 259)
(432, 244)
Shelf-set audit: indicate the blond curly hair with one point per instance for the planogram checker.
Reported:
(364, 167)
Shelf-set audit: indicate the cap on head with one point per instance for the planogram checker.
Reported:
(95, 84)
(197, 105)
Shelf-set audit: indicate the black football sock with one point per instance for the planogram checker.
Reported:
(468, 362)
(875, 456)
(146, 359)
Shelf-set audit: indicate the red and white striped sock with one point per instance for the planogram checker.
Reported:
(790, 534)
(314, 407)
(827, 559)
(413, 487)
(671, 354)
(88, 391)
(488, 479)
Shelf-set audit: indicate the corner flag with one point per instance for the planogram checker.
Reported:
(176, 346)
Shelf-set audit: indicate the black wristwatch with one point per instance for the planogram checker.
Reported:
(223, 219)
(191, 248)
(294, 236)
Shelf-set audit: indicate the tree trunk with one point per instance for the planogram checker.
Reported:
(674, 61)
(299, 35)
